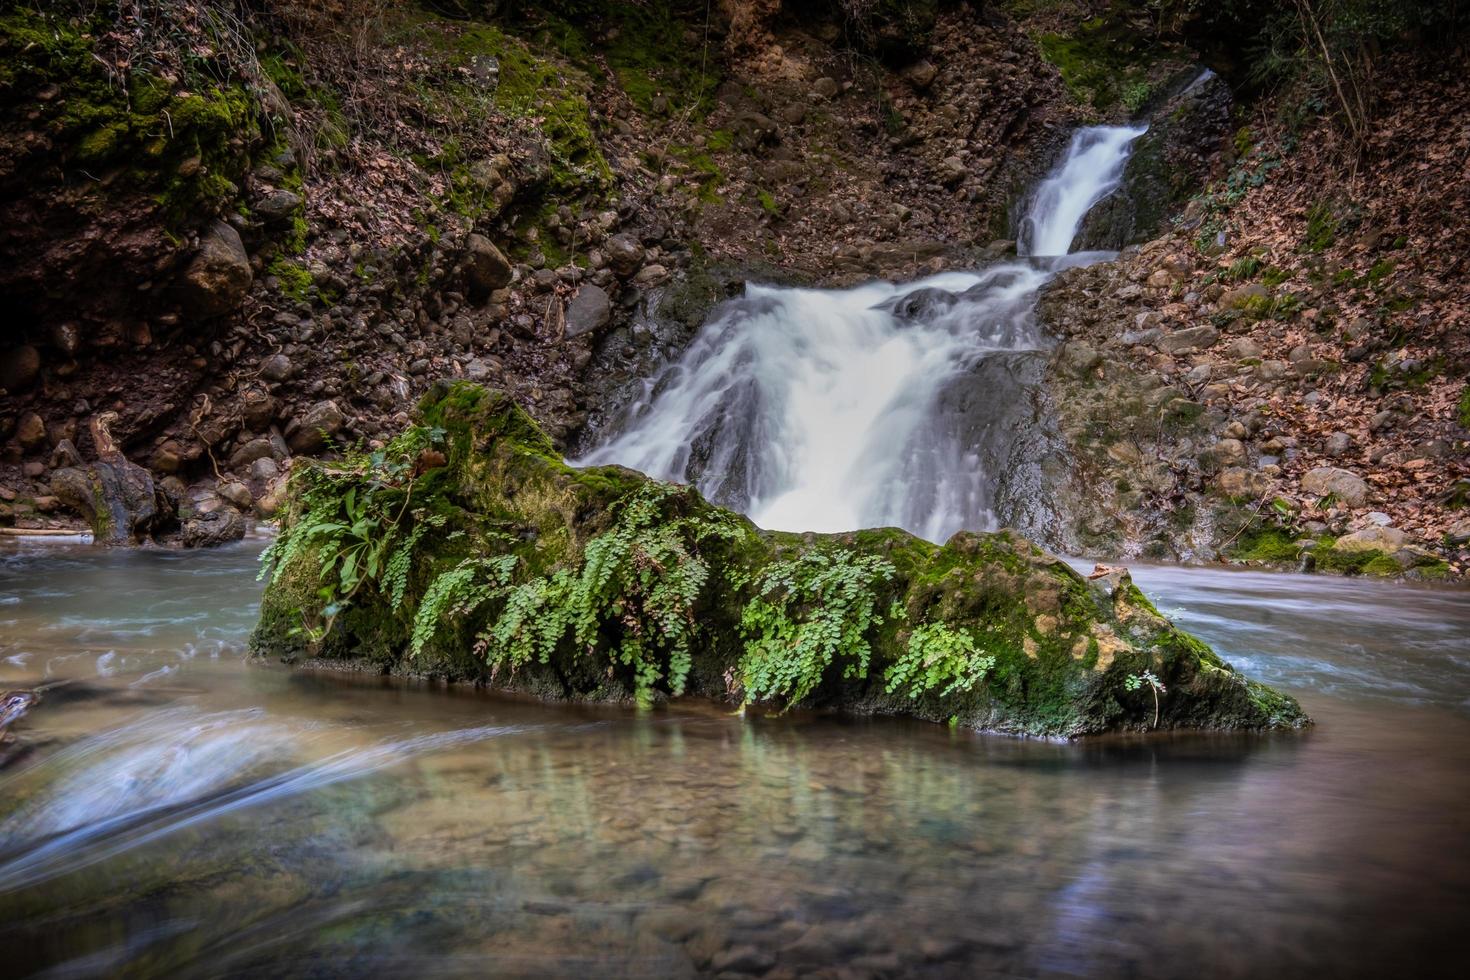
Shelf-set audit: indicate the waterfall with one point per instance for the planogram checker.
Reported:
(830, 410)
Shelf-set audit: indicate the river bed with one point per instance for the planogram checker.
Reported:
(181, 811)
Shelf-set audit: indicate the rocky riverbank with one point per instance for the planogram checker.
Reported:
(253, 235)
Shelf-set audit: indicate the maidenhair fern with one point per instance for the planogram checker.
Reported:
(937, 655)
(807, 613)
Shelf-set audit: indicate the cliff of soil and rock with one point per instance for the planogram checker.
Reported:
(467, 549)
(245, 233)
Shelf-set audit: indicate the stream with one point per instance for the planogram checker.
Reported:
(177, 810)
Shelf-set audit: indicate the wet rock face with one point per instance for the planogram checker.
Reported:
(116, 497)
(1178, 153)
(20, 367)
(486, 268)
(219, 276)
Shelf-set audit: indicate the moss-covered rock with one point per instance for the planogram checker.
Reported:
(468, 549)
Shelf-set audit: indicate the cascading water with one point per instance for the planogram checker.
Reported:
(829, 410)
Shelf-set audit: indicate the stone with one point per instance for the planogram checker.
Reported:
(166, 458)
(486, 269)
(1375, 538)
(1338, 444)
(1346, 486)
(1380, 518)
(217, 279)
(236, 493)
(920, 74)
(277, 207)
(1244, 349)
(624, 254)
(116, 497)
(1224, 454)
(1189, 340)
(589, 311)
(65, 454)
(1078, 358)
(257, 448)
(1249, 296)
(258, 409)
(826, 87)
(310, 432)
(1240, 483)
(31, 432)
(19, 368)
(218, 526)
(32, 469)
(651, 275)
(265, 470)
(277, 368)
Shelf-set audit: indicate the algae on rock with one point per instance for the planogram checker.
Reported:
(468, 549)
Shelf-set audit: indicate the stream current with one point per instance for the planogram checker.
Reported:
(180, 812)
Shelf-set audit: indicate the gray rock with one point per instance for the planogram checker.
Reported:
(277, 207)
(624, 254)
(1339, 444)
(1189, 340)
(651, 275)
(19, 368)
(219, 526)
(258, 409)
(257, 448)
(31, 432)
(277, 368)
(827, 88)
(237, 494)
(264, 470)
(589, 311)
(219, 276)
(743, 959)
(310, 432)
(486, 268)
(1387, 539)
(1348, 487)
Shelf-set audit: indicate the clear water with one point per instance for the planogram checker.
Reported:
(883, 405)
(182, 812)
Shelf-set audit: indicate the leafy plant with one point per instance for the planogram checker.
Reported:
(1134, 681)
(807, 613)
(358, 517)
(644, 577)
(937, 655)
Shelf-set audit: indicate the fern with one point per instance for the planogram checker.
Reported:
(937, 655)
(459, 592)
(808, 612)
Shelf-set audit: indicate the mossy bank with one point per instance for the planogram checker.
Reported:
(467, 549)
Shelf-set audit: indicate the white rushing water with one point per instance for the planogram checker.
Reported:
(829, 410)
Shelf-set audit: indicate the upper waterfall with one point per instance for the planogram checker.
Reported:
(1089, 171)
(828, 410)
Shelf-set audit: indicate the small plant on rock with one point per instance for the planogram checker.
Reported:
(1134, 681)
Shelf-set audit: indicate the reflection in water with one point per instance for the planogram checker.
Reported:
(222, 818)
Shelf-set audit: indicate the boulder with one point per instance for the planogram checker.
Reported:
(216, 527)
(1376, 538)
(31, 432)
(1346, 486)
(219, 276)
(589, 311)
(19, 368)
(1189, 340)
(624, 254)
(277, 368)
(277, 207)
(628, 588)
(485, 268)
(310, 432)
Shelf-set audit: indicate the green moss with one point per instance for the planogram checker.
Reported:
(184, 143)
(564, 581)
(1104, 63)
(1464, 407)
(295, 280)
(1267, 544)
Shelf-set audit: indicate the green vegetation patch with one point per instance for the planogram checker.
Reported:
(186, 143)
(1105, 63)
(467, 548)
